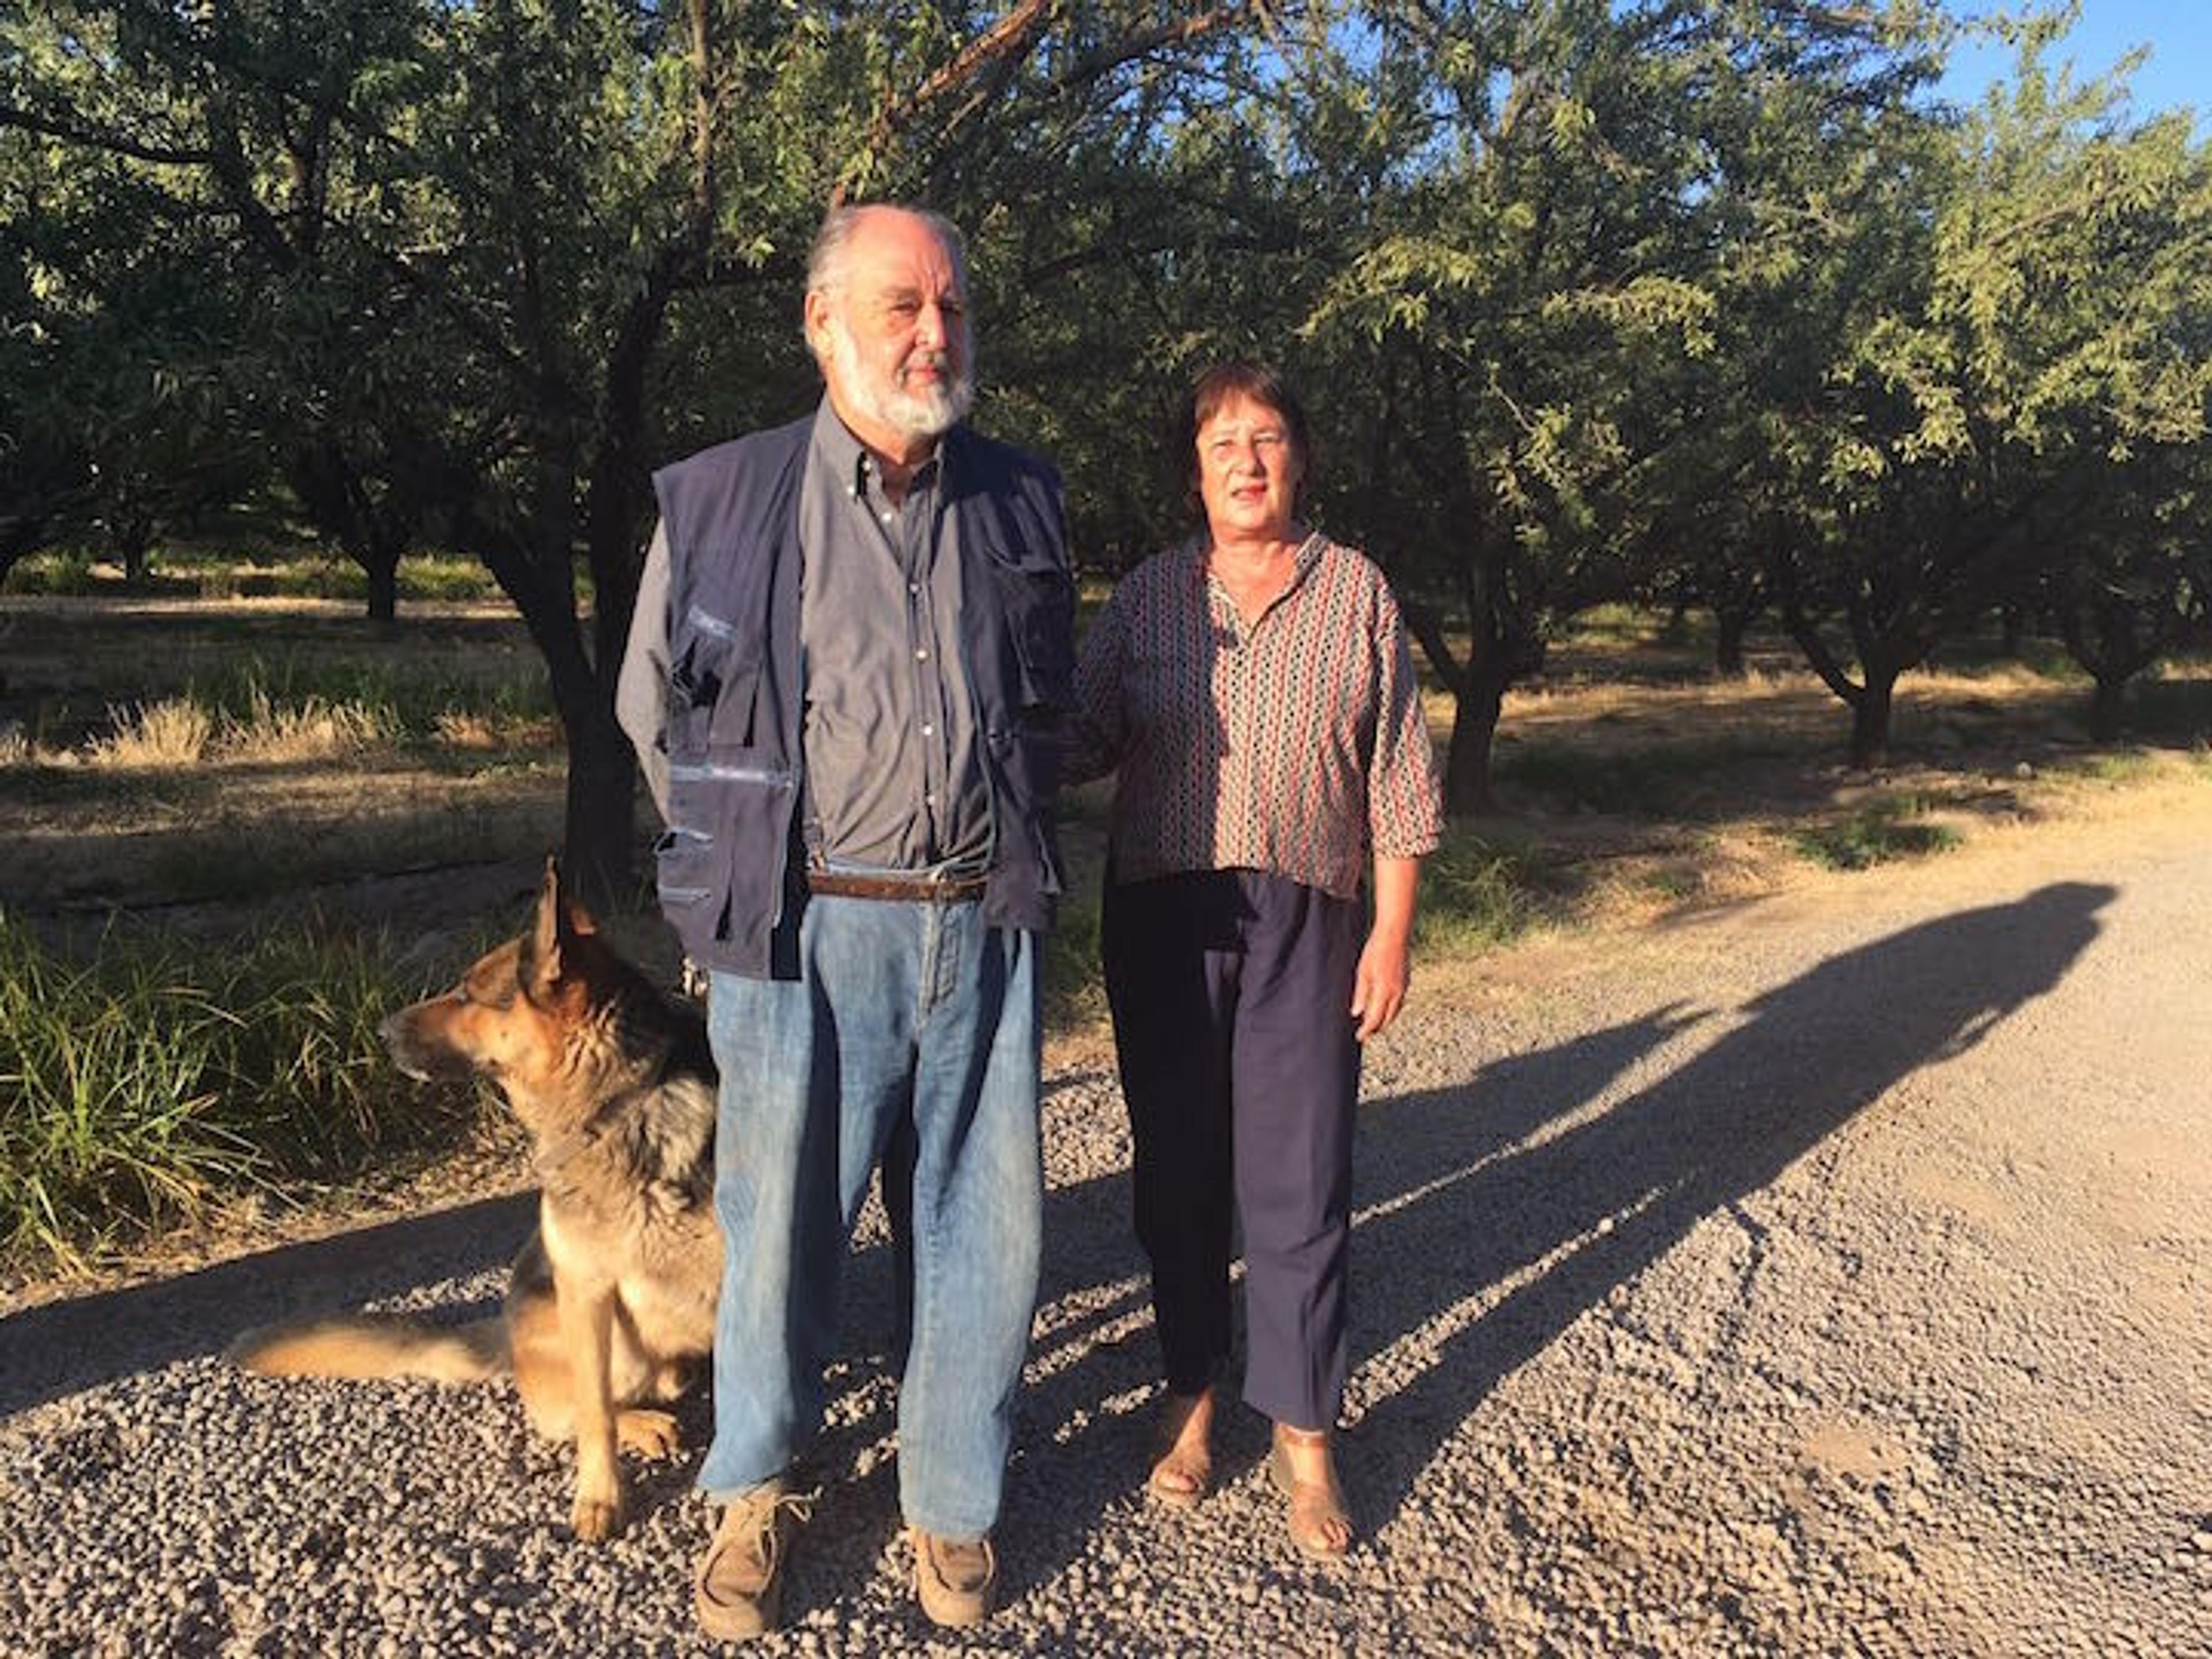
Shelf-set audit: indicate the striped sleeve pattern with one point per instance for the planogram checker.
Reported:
(1295, 745)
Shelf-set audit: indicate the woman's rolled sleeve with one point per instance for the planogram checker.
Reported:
(1405, 797)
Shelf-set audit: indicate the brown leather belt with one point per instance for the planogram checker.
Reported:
(911, 889)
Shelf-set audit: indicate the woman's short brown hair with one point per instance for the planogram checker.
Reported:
(1224, 383)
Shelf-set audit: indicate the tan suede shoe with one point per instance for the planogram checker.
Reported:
(739, 1592)
(955, 1578)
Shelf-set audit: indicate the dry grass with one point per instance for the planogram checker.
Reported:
(180, 732)
(212, 766)
(172, 733)
(474, 731)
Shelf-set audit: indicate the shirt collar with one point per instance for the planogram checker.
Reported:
(848, 458)
(1302, 562)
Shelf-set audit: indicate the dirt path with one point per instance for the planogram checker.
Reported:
(1826, 1275)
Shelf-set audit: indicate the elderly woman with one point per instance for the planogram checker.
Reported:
(1253, 691)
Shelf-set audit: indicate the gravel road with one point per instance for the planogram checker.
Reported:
(1829, 1275)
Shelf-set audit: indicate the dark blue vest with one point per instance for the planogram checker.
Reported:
(730, 859)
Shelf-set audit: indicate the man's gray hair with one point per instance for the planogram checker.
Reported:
(825, 264)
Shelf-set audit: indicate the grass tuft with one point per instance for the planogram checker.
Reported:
(175, 732)
(1892, 828)
(1474, 895)
(141, 1084)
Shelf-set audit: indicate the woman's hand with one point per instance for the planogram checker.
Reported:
(1379, 988)
(1386, 962)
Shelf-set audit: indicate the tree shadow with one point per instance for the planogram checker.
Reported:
(1461, 1192)
(1607, 1197)
(1491, 1215)
(63, 1346)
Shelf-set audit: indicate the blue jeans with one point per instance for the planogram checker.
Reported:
(896, 1005)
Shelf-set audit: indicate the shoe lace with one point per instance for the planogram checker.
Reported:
(798, 1505)
(758, 1513)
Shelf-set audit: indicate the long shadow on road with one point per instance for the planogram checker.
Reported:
(1480, 1239)
(62, 1347)
(1810, 1056)
(1466, 1191)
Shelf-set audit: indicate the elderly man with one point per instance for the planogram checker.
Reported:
(852, 649)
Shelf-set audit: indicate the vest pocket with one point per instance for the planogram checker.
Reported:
(1039, 605)
(731, 725)
(684, 863)
(713, 689)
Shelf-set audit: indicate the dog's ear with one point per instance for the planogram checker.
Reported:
(572, 919)
(541, 953)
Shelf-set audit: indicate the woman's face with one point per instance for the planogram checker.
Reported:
(1248, 471)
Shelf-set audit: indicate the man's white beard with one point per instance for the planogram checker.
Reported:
(929, 414)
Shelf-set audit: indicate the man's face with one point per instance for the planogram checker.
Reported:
(893, 338)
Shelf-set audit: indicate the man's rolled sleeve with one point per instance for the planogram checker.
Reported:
(641, 687)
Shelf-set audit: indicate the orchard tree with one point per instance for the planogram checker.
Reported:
(2034, 329)
(471, 233)
(1531, 294)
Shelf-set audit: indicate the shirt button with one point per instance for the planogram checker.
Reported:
(926, 729)
(922, 655)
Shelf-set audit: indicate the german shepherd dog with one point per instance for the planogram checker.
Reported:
(611, 1301)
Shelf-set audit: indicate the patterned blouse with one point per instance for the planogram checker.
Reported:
(1295, 745)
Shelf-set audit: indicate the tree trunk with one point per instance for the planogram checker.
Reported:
(382, 566)
(2126, 642)
(535, 572)
(133, 545)
(599, 829)
(1871, 709)
(1467, 759)
(2011, 623)
(602, 766)
(2104, 704)
(1731, 623)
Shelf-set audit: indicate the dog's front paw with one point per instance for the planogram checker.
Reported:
(648, 1433)
(598, 1516)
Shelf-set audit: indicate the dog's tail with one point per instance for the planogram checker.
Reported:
(372, 1345)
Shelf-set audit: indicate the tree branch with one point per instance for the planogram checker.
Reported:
(114, 143)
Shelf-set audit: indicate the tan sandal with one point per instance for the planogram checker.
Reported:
(1181, 1475)
(1320, 1524)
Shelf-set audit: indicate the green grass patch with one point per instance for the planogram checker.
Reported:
(2170, 709)
(449, 577)
(2116, 766)
(62, 572)
(156, 1075)
(208, 574)
(1615, 623)
(1894, 827)
(1475, 895)
(1644, 783)
(1074, 983)
(398, 696)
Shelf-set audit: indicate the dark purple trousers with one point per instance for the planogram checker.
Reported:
(1232, 992)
